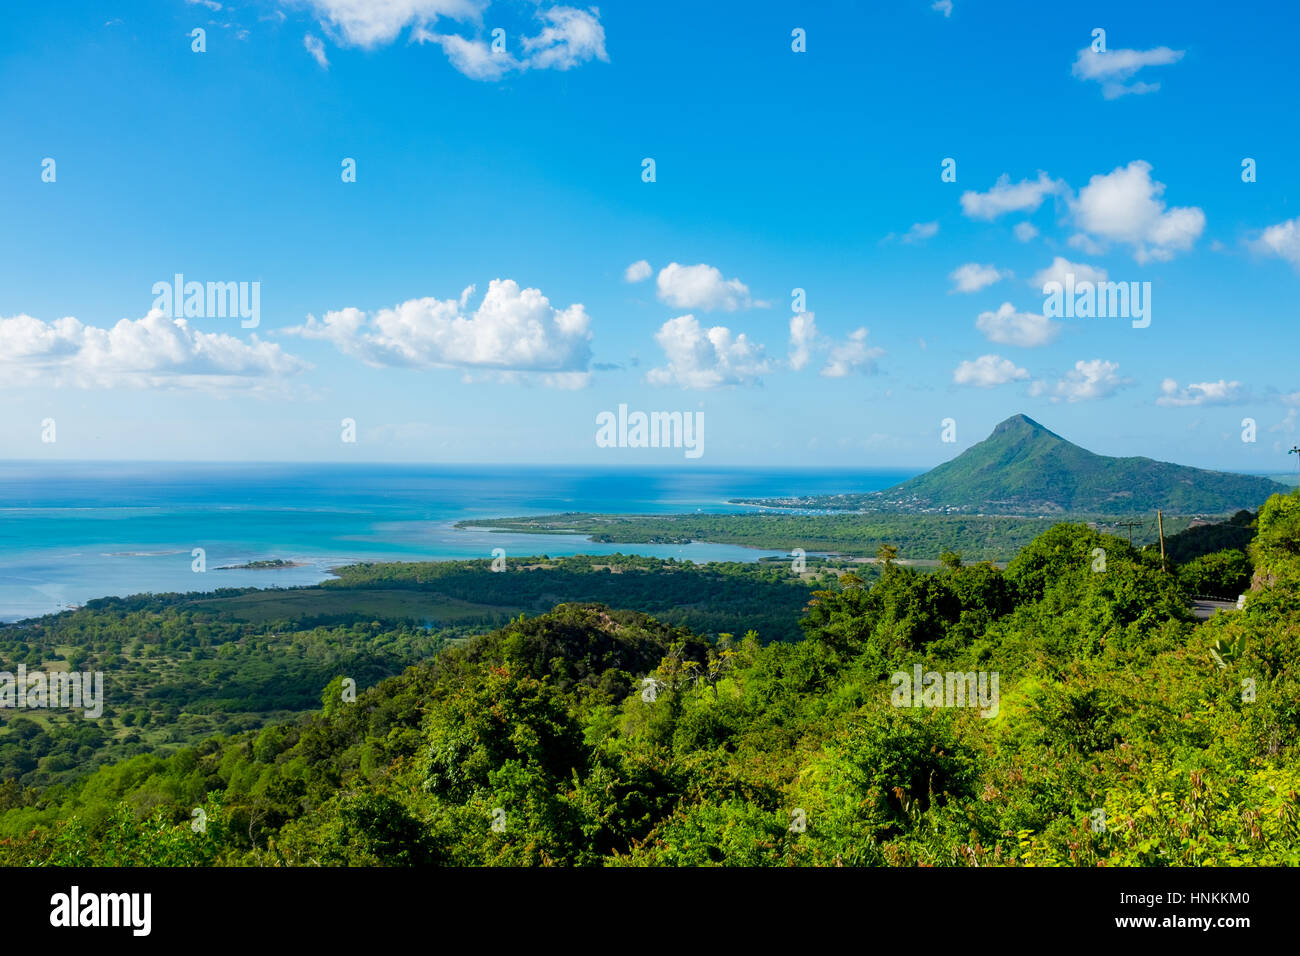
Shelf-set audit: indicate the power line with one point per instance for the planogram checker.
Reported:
(1130, 525)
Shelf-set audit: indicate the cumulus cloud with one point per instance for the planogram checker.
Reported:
(637, 271)
(363, 24)
(972, 277)
(1088, 380)
(988, 371)
(803, 336)
(568, 36)
(1114, 68)
(1006, 196)
(843, 357)
(1025, 231)
(700, 287)
(316, 48)
(1221, 392)
(1124, 205)
(706, 358)
(512, 330)
(852, 355)
(474, 58)
(1006, 326)
(1061, 267)
(571, 37)
(1281, 240)
(156, 351)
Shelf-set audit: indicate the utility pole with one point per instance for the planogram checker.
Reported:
(1296, 451)
(1130, 525)
(1160, 520)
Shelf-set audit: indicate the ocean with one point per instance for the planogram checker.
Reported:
(73, 531)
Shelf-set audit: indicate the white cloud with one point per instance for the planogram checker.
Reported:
(706, 358)
(803, 335)
(156, 351)
(1221, 392)
(316, 48)
(1124, 206)
(571, 37)
(637, 271)
(1061, 267)
(700, 287)
(852, 355)
(943, 6)
(1114, 68)
(474, 58)
(1006, 326)
(568, 36)
(512, 330)
(972, 277)
(1006, 196)
(843, 358)
(1025, 231)
(988, 371)
(1282, 240)
(1088, 380)
(920, 231)
(369, 24)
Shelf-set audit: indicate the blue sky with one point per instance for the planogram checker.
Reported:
(523, 170)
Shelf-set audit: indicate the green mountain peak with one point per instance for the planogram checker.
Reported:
(1025, 468)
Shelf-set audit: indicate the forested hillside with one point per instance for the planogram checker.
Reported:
(1122, 733)
(180, 668)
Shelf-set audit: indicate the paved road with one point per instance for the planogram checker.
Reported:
(1207, 609)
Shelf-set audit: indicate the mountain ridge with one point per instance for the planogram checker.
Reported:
(1024, 467)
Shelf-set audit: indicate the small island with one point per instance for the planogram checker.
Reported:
(273, 565)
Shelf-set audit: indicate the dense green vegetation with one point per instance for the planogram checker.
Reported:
(1234, 534)
(1022, 468)
(1124, 734)
(180, 668)
(1223, 574)
(177, 675)
(709, 599)
(919, 537)
(1211, 560)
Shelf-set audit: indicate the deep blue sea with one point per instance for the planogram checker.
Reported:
(74, 531)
